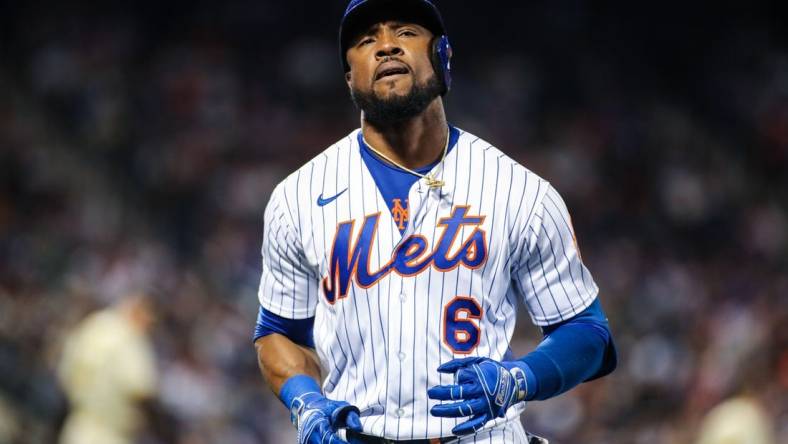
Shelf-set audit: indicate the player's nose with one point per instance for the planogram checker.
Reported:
(387, 47)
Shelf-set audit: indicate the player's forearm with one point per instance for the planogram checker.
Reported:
(570, 355)
(280, 359)
(574, 351)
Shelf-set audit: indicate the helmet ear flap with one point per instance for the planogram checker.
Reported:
(441, 61)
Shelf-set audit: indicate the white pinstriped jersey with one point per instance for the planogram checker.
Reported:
(390, 307)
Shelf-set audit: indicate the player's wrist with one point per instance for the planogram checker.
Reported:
(524, 378)
(296, 392)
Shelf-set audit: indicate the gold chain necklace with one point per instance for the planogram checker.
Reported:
(432, 181)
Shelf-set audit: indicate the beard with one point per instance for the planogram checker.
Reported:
(396, 109)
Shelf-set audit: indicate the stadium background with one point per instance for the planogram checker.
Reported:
(139, 142)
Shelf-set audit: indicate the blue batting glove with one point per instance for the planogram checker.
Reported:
(484, 389)
(318, 419)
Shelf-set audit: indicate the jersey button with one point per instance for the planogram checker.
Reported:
(400, 412)
(402, 297)
(402, 356)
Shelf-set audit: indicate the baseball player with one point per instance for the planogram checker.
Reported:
(394, 261)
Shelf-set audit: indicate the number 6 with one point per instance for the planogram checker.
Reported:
(460, 332)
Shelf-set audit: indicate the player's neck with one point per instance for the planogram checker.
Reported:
(413, 143)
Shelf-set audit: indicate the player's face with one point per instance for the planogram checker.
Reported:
(390, 59)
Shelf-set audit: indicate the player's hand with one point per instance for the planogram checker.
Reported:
(318, 419)
(484, 389)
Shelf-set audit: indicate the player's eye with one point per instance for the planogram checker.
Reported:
(366, 41)
(407, 33)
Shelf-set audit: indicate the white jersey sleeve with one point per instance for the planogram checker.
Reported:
(287, 285)
(549, 271)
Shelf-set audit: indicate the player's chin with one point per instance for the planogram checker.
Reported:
(393, 86)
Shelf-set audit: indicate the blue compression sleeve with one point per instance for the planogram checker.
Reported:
(577, 350)
(297, 386)
(297, 330)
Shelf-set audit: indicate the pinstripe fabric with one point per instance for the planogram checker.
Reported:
(380, 346)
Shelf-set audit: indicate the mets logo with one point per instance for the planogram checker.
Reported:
(350, 257)
(399, 213)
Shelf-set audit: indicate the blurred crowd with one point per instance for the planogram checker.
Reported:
(139, 145)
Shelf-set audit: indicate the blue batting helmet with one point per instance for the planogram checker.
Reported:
(360, 14)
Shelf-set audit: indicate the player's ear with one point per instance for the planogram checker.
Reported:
(347, 78)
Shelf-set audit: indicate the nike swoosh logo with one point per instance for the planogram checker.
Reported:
(323, 202)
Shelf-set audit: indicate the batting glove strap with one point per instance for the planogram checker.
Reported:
(520, 383)
(299, 406)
